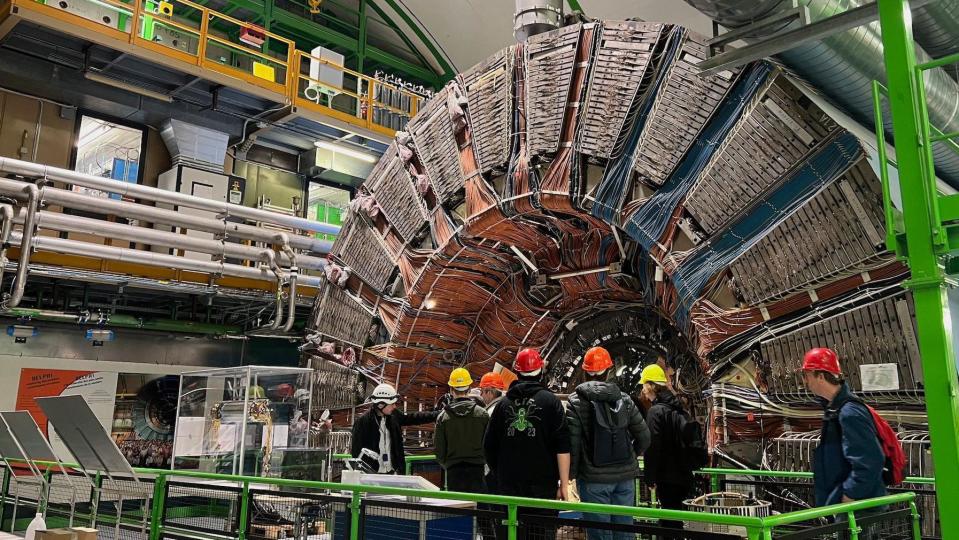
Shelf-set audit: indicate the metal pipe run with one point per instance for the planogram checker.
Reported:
(160, 260)
(123, 321)
(226, 229)
(25, 168)
(6, 215)
(104, 229)
(29, 228)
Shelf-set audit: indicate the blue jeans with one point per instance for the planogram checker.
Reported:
(621, 494)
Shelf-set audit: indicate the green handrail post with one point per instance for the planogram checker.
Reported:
(355, 516)
(95, 497)
(3, 493)
(891, 244)
(927, 282)
(916, 522)
(158, 505)
(511, 521)
(244, 511)
(854, 529)
(714, 482)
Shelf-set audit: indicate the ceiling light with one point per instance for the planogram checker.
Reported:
(346, 151)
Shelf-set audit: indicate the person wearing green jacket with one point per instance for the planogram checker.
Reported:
(459, 437)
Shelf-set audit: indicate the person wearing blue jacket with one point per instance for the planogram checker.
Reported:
(849, 461)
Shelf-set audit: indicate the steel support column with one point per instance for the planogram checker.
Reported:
(361, 49)
(928, 284)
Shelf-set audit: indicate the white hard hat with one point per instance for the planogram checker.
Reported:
(385, 394)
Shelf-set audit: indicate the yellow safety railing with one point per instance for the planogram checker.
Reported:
(212, 43)
(342, 93)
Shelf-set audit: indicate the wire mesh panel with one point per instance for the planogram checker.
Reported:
(297, 516)
(211, 509)
(70, 500)
(122, 508)
(21, 501)
(548, 525)
(885, 525)
(449, 520)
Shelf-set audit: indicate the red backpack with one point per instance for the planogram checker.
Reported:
(894, 468)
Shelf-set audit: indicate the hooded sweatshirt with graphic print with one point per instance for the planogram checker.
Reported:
(526, 432)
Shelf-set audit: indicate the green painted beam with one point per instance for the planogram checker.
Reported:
(574, 6)
(924, 238)
(949, 208)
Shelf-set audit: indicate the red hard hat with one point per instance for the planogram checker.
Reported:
(597, 360)
(821, 359)
(493, 380)
(528, 361)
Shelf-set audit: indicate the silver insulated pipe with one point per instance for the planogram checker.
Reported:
(533, 17)
(844, 65)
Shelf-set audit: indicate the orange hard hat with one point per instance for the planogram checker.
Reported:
(597, 360)
(493, 380)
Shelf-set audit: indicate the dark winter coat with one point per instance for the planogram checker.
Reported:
(459, 433)
(366, 433)
(849, 459)
(662, 462)
(526, 432)
(580, 416)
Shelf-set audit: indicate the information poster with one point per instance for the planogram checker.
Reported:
(97, 388)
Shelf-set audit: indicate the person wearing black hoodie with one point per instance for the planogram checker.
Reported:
(527, 442)
(668, 475)
(604, 464)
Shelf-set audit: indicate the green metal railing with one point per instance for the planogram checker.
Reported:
(355, 495)
(929, 237)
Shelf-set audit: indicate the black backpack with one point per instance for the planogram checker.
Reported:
(692, 444)
(612, 442)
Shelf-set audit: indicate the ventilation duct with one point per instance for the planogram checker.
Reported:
(844, 65)
(194, 146)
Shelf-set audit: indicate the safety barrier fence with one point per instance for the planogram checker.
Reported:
(195, 35)
(195, 505)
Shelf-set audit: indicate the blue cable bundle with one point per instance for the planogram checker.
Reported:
(649, 222)
(612, 190)
(828, 163)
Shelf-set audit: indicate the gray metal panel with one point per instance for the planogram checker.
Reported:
(83, 435)
(619, 65)
(342, 317)
(823, 240)
(549, 72)
(8, 446)
(682, 107)
(361, 248)
(393, 190)
(436, 147)
(489, 89)
(26, 431)
(779, 133)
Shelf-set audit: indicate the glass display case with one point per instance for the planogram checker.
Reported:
(233, 420)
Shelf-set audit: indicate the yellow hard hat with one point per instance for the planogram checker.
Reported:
(460, 378)
(654, 374)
